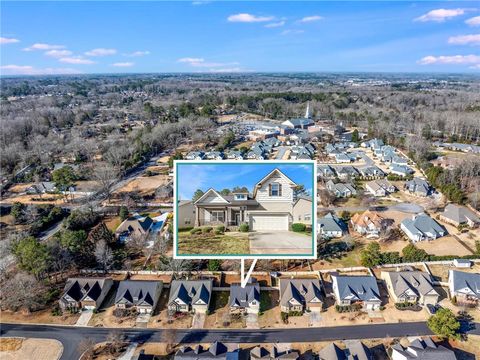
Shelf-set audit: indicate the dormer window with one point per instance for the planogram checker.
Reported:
(240, 196)
(275, 189)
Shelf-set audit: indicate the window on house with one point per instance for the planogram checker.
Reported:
(188, 221)
(307, 217)
(217, 216)
(240, 196)
(275, 189)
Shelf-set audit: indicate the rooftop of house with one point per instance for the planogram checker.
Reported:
(460, 214)
(243, 296)
(417, 281)
(138, 292)
(191, 291)
(368, 218)
(331, 222)
(424, 349)
(301, 290)
(357, 288)
(354, 350)
(424, 224)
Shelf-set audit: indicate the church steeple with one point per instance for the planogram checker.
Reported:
(307, 113)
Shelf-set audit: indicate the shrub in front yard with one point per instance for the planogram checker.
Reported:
(244, 228)
(214, 265)
(195, 231)
(284, 317)
(206, 229)
(298, 227)
(220, 228)
(348, 308)
(295, 313)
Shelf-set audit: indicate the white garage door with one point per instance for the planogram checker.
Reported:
(268, 222)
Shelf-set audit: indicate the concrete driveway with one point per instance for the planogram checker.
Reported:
(279, 242)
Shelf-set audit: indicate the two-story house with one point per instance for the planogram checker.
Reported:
(269, 206)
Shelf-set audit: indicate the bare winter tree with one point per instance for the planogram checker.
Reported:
(22, 291)
(86, 347)
(106, 175)
(103, 255)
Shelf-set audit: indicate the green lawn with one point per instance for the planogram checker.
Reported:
(229, 243)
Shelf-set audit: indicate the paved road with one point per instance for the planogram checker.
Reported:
(70, 336)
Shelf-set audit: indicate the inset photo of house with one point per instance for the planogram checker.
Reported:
(245, 209)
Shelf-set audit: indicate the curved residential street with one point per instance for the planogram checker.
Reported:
(71, 336)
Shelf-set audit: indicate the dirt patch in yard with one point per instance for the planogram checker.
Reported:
(229, 243)
(41, 317)
(144, 185)
(10, 344)
(38, 349)
(447, 245)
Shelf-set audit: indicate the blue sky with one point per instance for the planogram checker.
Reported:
(228, 175)
(114, 37)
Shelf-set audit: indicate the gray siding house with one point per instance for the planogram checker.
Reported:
(269, 207)
(355, 350)
(422, 227)
(459, 215)
(464, 286)
(141, 295)
(245, 300)
(411, 286)
(190, 295)
(86, 293)
(300, 295)
(331, 226)
(350, 289)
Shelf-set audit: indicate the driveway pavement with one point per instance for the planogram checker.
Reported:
(252, 321)
(315, 318)
(198, 320)
(279, 242)
(84, 318)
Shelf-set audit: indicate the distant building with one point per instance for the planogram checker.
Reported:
(190, 295)
(369, 223)
(261, 353)
(86, 293)
(141, 295)
(418, 186)
(350, 289)
(341, 190)
(216, 351)
(300, 295)
(330, 226)
(464, 286)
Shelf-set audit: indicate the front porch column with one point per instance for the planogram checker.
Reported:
(197, 216)
(226, 217)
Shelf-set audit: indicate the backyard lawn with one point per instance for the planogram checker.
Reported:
(228, 243)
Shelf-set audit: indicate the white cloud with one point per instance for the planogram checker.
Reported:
(58, 53)
(4, 40)
(137, 53)
(30, 70)
(249, 18)
(275, 24)
(200, 2)
(200, 62)
(123, 64)
(472, 39)
(101, 52)
(76, 60)
(474, 21)
(42, 46)
(477, 66)
(449, 60)
(440, 15)
(292, 32)
(312, 18)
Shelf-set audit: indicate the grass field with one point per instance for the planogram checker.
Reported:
(230, 243)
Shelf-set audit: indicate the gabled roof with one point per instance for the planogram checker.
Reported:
(331, 222)
(209, 191)
(465, 282)
(357, 288)
(302, 290)
(417, 282)
(422, 224)
(242, 297)
(138, 292)
(84, 288)
(355, 350)
(367, 218)
(135, 224)
(191, 291)
(460, 214)
(424, 349)
(271, 173)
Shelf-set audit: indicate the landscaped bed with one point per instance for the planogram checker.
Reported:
(211, 243)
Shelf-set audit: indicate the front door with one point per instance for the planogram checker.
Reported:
(237, 219)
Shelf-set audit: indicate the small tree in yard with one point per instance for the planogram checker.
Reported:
(214, 265)
(86, 348)
(123, 213)
(371, 256)
(444, 324)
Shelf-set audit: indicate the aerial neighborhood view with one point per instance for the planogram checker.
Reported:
(239, 180)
